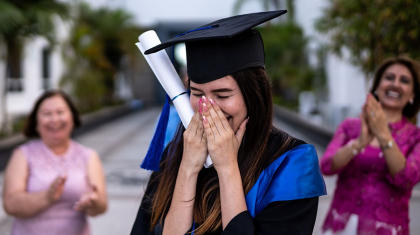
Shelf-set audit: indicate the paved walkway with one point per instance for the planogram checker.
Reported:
(123, 143)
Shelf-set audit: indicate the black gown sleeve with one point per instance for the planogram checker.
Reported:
(141, 225)
(295, 217)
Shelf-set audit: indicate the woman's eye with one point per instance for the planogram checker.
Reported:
(389, 77)
(197, 95)
(405, 80)
(222, 97)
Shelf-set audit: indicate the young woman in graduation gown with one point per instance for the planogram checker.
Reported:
(263, 181)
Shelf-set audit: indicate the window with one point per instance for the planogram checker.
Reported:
(14, 69)
(46, 68)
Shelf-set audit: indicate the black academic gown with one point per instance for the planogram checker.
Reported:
(293, 217)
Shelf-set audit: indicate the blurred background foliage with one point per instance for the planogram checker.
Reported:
(369, 31)
(99, 40)
(28, 19)
(286, 55)
(286, 62)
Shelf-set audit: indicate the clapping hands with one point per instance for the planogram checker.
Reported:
(374, 123)
(88, 199)
(56, 188)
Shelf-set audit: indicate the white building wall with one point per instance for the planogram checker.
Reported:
(58, 66)
(306, 12)
(345, 83)
(21, 102)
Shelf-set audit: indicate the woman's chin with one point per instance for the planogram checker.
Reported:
(392, 105)
(56, 138)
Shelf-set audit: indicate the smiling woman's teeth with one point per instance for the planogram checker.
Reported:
(393, 94)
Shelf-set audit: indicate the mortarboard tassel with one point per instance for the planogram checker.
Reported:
(153, 156)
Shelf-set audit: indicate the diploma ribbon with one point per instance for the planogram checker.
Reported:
(185, 92)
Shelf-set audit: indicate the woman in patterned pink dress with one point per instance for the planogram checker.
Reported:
(377, 156)
(51, 183)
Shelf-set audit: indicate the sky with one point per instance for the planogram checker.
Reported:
(149, 12)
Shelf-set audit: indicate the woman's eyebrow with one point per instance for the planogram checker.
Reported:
(215, 90)
(222, 90)
(195, 89)
(406, 77)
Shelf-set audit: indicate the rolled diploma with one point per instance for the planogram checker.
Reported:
(168, 78)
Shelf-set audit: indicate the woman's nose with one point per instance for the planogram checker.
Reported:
(55, 117)
(397, 82)
(209, 97)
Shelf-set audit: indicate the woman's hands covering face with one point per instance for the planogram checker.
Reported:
(222, 142)
(195, 144)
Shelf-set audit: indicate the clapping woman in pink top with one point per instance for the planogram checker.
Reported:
(52, 182)
(377, 156)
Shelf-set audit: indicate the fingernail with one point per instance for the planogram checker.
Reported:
(211, 101)
(201, 101)
(204, 98)
(199, 110)
(204, 119)
(205, 107)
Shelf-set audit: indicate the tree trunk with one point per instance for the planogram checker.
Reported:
(3, 109)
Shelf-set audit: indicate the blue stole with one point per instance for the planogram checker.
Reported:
(293, 175)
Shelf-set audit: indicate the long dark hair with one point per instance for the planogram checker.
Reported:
(256, 90)
(31, 121)
(410, 110)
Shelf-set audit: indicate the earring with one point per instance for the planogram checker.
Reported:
(411, 101)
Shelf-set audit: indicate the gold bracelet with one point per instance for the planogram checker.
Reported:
(353, 150)
(388, 144)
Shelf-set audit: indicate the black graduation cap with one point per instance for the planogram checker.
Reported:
(223, 47)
